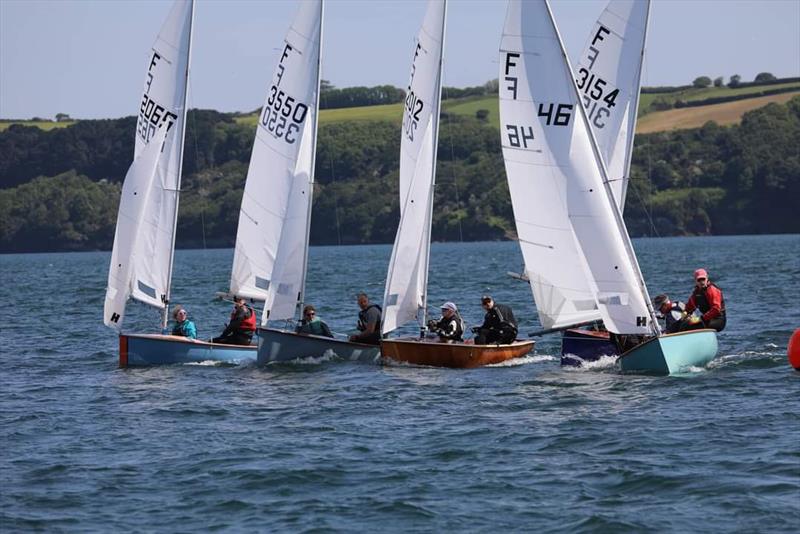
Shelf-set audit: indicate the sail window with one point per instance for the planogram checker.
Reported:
(147, 290)
(262, 283)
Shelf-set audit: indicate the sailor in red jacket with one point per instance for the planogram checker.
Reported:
(242, 325)
(707, 298)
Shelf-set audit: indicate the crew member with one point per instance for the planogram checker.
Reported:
(242, 325)
(183, 326)
(707, 298)
(674, 313)
(369, 322)
(499, 325)
(311, 324)
(450, 327)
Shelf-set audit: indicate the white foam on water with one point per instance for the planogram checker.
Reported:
(211, 363)
(524, 360)
(604, 362)
(327, 356)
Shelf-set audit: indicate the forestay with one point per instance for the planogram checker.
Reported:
(557, 186)
(404, 298)
(608, 75)
(141, 258)
(272, 239)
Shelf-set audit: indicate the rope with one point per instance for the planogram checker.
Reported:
(453, 168)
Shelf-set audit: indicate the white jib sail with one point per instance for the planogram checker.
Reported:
(146, 274)
(272, 239)
(553, 172)
(404, 297)
(608, 74)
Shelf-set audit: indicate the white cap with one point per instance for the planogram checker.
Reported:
(449, 306)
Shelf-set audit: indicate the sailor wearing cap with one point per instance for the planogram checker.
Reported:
(674, 313)
(707, 298)
(450, 327)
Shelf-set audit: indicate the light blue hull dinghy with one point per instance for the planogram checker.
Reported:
(671, 353)
(282, 346)
(155, 349)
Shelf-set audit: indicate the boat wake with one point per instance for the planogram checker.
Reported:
(216, 363)
(603, 363)
(524, 360)
(326, 357)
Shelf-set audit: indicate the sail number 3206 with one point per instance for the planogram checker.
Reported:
(283, 115)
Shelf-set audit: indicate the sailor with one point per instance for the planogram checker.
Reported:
(183, 326)
(311, 324)
(499, 324)
(242, 325)
(369, 322)
(450, 327)
(707, 298)
(674, 313)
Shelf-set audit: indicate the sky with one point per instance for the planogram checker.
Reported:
(87, 58)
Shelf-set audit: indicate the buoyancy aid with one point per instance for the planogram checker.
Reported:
(248, 324)
(703, 303)
(362, 318)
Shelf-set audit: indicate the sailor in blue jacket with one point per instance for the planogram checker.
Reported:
(183, 326)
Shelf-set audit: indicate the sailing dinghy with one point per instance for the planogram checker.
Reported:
(280, 215)
(608, 74)
(550, 150)
(405, 297)
(144, 242)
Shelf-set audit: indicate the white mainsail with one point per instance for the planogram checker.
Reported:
(141, 260)
(405, 294)
(608, 75)
(557, 182)
(269, 262)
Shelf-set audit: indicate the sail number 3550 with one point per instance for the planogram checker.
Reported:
(279, 111)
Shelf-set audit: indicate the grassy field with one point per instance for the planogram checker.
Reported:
(723, 114)
(42, 125)
(690, 95)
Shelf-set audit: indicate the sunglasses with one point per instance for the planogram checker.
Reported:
(310, 314)
(700, 279)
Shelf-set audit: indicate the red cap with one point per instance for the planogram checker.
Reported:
(700, 273)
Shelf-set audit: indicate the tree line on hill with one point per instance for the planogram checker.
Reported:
(59, 189)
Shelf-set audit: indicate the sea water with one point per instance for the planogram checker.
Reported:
(325, 444)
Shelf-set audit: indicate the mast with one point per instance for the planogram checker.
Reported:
(635, 110)
(302, 295)
(654, 327)
(165, 311)
(435, 137)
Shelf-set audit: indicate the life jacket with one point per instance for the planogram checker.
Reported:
(248, 324)
(702, 303)
(458, 333)
(179, 329)
(362, 318)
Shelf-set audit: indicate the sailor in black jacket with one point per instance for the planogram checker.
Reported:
(499, 324)
(450, 327)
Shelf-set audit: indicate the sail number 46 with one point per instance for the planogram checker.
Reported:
(279, 110)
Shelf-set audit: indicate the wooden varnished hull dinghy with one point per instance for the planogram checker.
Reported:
(455, 355)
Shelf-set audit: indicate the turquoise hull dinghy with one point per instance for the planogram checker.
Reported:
(671, 353)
